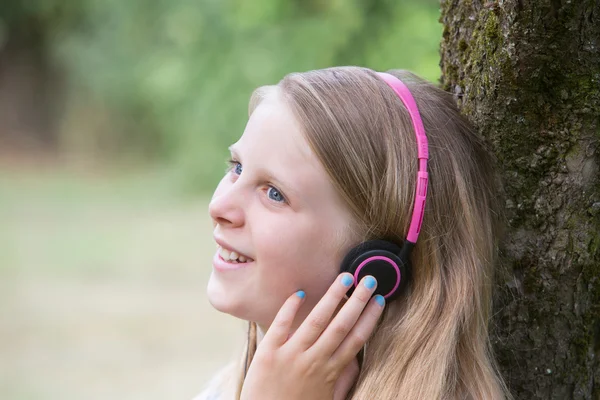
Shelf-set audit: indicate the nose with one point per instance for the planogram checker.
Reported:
(225, 207)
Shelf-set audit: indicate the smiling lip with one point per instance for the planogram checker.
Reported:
(221, 265)
(227, 247)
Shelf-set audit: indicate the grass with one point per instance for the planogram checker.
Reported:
(102, 281)
(67, 224)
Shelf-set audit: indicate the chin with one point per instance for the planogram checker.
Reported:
(233, 302)
(226, 301)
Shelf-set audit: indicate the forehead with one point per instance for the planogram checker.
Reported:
(274, 141)
(273, 128)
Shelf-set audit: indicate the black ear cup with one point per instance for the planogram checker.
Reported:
(380, 259)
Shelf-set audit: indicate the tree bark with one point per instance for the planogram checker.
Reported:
(527, 74)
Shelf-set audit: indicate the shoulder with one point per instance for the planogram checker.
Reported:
(221, 385)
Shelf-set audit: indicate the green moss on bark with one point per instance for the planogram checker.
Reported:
(526, 74)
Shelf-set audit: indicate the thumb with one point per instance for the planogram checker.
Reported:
(346, 380)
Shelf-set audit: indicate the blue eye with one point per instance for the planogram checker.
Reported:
(235, 166)
(275, 195)
(238, 168)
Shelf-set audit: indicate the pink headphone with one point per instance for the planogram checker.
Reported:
(384, 260)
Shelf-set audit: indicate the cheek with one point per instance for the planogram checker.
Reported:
(298, 256)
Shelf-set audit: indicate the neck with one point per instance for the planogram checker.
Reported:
(260, 333)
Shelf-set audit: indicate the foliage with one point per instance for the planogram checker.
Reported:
(177, 75)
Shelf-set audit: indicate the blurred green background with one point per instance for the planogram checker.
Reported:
(115, 117)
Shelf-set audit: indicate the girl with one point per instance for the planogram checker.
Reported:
(334, 172)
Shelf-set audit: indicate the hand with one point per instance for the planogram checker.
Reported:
(319, 360)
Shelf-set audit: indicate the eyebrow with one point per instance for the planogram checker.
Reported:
(269, 176)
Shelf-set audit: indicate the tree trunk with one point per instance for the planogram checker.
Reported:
(527, 74)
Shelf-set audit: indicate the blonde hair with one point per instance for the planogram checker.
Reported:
(432, 343)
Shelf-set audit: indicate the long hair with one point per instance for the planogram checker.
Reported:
(433, 343)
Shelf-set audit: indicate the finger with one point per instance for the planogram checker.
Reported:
(346, 319)
(319, 317)
(279, 330)
(346, 380)
(360, 333)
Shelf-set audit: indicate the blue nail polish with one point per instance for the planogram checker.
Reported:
(380, 300)
(370, 282)
(347, 280)
(300, 293)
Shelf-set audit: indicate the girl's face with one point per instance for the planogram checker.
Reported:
(277, 208)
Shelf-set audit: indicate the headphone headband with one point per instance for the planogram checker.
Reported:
(422, 152)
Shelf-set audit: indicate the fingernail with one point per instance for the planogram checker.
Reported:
(370, 282)
(300, 293)
(380, 300)
(347, 280)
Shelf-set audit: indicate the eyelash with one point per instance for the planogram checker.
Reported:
(232, 164)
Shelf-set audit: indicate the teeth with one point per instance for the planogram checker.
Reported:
(224, 253)
(232, 256)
